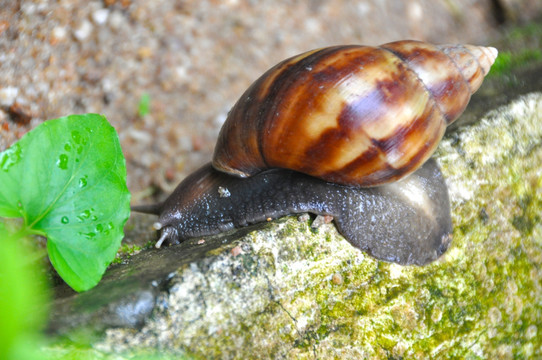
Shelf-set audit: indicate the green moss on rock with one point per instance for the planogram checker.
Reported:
(288, 291)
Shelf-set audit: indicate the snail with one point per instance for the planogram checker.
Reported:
(345, 131)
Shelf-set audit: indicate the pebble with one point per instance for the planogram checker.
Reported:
(184, 142)
(139, 135)
(100, 16)
(20, 113)
(531, 332)
(144, 52)
(181, 72)
(8, 95)
(321, 220)
(236, 251)
(83, 31)
(4, 25)
(116, 20)
(58, 34)
(337, 279)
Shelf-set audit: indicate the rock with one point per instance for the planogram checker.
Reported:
(288, 291)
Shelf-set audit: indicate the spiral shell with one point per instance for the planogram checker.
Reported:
(354, 115)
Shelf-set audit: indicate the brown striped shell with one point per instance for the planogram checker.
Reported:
(354, 115)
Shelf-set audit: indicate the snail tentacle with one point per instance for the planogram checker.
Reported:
(167, 233)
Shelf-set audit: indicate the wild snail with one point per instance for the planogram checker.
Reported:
(331, 131)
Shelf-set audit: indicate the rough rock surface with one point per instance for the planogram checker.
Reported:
(288, 291)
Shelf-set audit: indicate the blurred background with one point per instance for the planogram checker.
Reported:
(165, 73)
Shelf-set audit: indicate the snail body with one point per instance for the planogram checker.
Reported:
(331, 132)
(209, 202)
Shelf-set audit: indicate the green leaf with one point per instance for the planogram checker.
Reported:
(67, 179)
(23, 299)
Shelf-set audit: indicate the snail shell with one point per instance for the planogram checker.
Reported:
(353, 115)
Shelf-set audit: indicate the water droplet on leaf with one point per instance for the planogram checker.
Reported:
(65, 220)
(83, 181)
(84, 215)
(89, 235)
(62, 162)
(76, 136)
(10, 157)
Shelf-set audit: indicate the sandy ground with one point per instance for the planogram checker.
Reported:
(192, 58)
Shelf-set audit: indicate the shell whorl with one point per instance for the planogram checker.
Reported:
(354, 115)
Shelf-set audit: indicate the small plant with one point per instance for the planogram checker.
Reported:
(66, 179)
(144, 106)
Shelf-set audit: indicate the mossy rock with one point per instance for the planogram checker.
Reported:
(289, 291)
